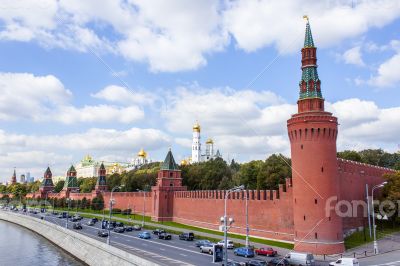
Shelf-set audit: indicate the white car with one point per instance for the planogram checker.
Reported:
(230, 244)
(345, 262)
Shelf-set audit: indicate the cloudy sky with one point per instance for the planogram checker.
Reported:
(109, 77)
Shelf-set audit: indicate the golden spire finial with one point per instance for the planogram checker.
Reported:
(305, 17)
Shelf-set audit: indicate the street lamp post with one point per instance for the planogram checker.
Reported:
(69, 202)
(376, 250)
(225, 221)
(111, 204)
(144, 205)
(247, 219)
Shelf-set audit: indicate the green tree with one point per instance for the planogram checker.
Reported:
(371, 156)
(274, 171)
(350, 155)
(87, 184)
(59, 186)
(391, 192)
(98, 202)
(113, 181)
(248, 174)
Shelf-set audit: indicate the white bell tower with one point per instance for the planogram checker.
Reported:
(196, 145)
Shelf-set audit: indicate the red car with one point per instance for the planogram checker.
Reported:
(266, 252)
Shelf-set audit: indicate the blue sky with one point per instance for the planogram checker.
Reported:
(81, 78)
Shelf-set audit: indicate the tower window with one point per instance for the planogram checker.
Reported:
(295, 200)
(315, 201)
(322, 169)
(171, 174)
(301, 146)
(329, 218)
(304, 217)
(316, 235)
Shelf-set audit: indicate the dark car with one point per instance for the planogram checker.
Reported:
(102, 233)
(256, 263)
(186, 236)
(158, 231)
(278, 262)
(202, 242)
(77, 217)
(95, 220)
(119, 224)
(119, 229)
(244, 251)
(90, 223)
(235, 263)
(164, 236)
(55, 213)
(128, 228)
(77, 226)
(60, 216)
(74, 219)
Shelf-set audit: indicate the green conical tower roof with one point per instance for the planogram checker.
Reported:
(71, 169)
(169, 162)
(308, 40)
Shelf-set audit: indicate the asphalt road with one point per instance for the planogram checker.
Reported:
(164, 252)
(179, 252)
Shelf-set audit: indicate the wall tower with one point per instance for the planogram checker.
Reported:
(47, 183)
(169, 180)
(196, 145)
(312, 133)
(101, 184)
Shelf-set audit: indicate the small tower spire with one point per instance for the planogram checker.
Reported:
(310, 96)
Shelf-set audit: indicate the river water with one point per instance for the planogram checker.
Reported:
(19, 246)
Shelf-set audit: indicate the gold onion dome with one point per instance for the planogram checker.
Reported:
(142, 153)
(196, 127)
(184, 162)
(209, 141)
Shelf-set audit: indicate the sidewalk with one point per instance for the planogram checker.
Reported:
(281, 251)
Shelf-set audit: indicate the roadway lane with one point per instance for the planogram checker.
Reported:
(166, 252)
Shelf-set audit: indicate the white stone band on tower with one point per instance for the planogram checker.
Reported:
(196, 145)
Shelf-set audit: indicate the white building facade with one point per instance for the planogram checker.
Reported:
(197, 155)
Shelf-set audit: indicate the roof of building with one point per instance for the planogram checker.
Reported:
(209, 141)
(308, 39)
(196, 127)
(169, 162)
(71, 169)
(142, 153)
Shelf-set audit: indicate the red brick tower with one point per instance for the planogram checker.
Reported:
(14, 177)
(312, 133)
(47, 183)
(169, 180)
(101, 184)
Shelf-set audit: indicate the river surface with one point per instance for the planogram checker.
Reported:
(22, 247)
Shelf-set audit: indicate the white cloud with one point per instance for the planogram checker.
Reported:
(387, 74)
(353, 56)
(28, 96)
(34, 152)
(178, 35)
(256, 24)
(118, 94)
(45, 99)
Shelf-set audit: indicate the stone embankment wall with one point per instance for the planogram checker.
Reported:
(84, 248)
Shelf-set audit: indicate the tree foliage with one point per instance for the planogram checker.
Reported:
(373, 156)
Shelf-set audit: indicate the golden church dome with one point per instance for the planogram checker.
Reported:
(209, 141)
(196, 127)
(184, 162)
(142, 153)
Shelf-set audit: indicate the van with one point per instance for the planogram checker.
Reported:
(303, 259)
(345, 262)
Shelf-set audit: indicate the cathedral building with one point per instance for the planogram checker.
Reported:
(87, 167)
(197, 154)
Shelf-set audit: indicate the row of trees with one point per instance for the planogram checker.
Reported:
(373, 156)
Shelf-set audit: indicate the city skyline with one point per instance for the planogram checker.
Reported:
(93, 83)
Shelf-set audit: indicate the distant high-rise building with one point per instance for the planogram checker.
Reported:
(22, 179)
(28, 176)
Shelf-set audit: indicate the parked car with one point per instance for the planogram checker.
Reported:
(186, 236)
(102, 233)
(137, 227)
(345, 262)
(230, 244)
(278, 262)
(266, 252)
(77, 226)
(144, 235)
(244, 252)
(158, 231)
(60, 216)
(207, 248)
(235, 263)
(202, 242)
(128, 228)
(256, 263)
(164, 236)
(119, 229)
(78, 217)
(119, 224)
(90, 223)
(95, 220)
(296, 258)
(74, 219)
